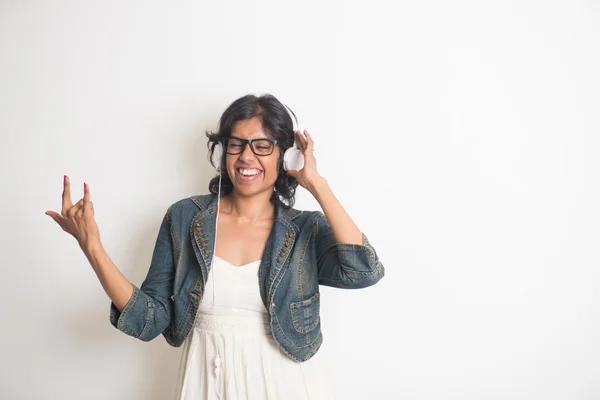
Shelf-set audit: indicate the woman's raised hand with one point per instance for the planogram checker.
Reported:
(308, 175)
(78, 219)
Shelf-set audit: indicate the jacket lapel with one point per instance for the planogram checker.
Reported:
(279, 244)
(281, 239)
(202, 233)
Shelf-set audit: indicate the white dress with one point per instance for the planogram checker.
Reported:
(252, 366)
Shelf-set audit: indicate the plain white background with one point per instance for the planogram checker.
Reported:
(462, 137)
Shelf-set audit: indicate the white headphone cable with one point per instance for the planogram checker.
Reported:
(217, 358)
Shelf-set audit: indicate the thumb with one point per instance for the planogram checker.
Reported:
(56, 217)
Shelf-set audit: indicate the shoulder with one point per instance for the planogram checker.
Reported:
(190, 205)
(305, 220)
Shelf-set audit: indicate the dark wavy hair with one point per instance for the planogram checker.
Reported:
(277, 124)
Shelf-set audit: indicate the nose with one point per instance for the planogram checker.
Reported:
(247, 154)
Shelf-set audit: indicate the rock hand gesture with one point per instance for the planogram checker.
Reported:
(78, 219)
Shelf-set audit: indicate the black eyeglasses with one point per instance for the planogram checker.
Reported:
(260, 147)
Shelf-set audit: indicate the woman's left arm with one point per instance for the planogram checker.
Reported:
(344, 229)
(345, 258)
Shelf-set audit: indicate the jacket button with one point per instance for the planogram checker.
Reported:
(272, 305)
(172, 297)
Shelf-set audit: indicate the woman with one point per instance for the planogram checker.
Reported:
(247, 313)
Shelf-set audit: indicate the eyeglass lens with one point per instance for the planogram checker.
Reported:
(262, 147)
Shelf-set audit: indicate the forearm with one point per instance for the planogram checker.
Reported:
(343, 227)
(115, 284)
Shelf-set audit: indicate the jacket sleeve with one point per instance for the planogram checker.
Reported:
(345, 265)
(148, 312)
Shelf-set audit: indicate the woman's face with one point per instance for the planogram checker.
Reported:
(252, 174)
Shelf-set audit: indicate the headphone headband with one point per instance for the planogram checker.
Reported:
(292, 158)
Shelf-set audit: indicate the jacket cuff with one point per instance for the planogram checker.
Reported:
(133, 319)
(363, 258)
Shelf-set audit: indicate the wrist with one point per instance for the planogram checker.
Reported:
(317, 185)
(91, 250)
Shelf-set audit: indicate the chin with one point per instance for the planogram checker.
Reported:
(251, 191)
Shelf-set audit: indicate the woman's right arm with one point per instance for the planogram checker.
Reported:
(78, 220)
(142, 312)
(115, 284)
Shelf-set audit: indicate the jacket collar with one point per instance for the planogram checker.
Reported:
(208, 205)
(280, 241)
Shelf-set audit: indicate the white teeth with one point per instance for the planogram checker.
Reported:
(249, 172)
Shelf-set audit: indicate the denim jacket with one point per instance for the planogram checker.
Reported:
(301, 254)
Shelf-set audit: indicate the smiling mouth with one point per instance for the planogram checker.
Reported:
(248, 172)
(247, 175)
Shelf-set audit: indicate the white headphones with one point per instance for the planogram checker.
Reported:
(293, 159)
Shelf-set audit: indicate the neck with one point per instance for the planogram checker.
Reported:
(255, 208)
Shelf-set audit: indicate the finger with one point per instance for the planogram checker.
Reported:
(306, 143)
(80, 210)
(88, 209)
(300, 142)
(86, 193)
(73, 210)
(56, 217)
(310, 141)
(66, 196)
(79, 213)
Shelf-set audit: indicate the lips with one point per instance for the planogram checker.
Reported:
(247, 178)
(249, 171)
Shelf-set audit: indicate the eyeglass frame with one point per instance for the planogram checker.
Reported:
(248, 142)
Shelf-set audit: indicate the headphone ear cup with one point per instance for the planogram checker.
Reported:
(293, 159)
(217, 155)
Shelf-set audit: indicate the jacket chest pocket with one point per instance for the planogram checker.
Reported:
(305, 314)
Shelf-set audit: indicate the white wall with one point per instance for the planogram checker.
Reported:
(462, 137)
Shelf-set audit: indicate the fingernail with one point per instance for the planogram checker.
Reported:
(84, 185)
(65, 177)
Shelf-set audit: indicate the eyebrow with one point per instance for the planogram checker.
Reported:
(237, 137)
